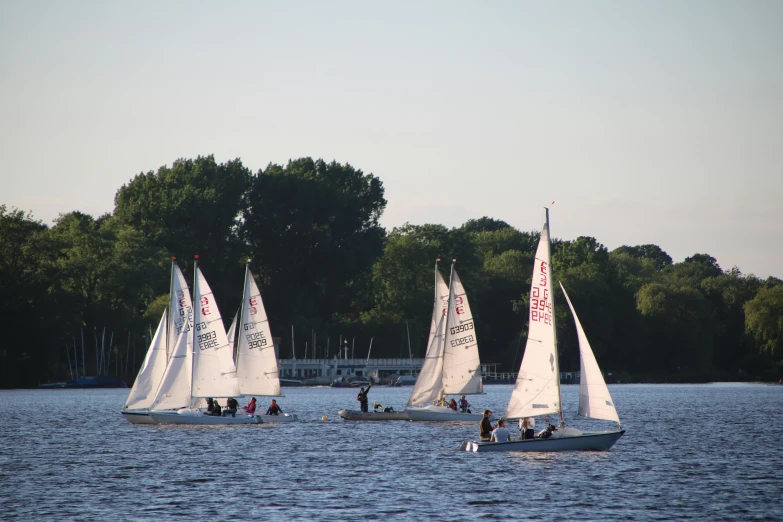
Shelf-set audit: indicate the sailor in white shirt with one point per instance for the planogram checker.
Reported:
(500, 433)
(526, 427)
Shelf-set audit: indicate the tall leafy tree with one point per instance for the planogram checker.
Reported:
(193, 208)
(764, 320)
(24, 307)
(313, 229)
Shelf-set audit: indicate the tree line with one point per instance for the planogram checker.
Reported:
(328, 270)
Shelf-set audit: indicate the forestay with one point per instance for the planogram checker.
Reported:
(461, 364)
(256, 361)
(594, 399)
(537, 390)
(174, 390)
(152, 370)
(214, 372)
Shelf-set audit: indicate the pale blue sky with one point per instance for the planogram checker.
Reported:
(648, 122)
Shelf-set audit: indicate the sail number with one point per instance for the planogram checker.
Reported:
(207, 340)
(256, 340)
(540, 306)
(461, 340)
(461, 328)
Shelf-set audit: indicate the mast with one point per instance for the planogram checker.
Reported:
(168, 319)
(410, 353)
(196, 302)
(242, 307)
(448, 310)
(435, 300)
(554, 324)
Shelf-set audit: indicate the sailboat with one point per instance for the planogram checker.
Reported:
(452, 365)
(256, 362)
(177, 317)
(537, 389)
(136, 409)
(201, 366)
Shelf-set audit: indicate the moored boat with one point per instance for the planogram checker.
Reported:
(356, 415)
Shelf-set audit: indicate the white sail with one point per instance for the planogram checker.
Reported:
(214, 372)
(174, 390)
(256, 360)
(429, 384)
(537, 390)
(232, 335)
(440, 304)
(151, 372)
(461, 364)
(594, 399)
(180, 308)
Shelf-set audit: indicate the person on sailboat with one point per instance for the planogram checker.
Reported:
(527, 426)
(210, 406)
(500, 433)
(274, 408)
(215, 409)
(251, 406)
(453, 404)
(362, 397)
(231, 407)
(546, 432)
(464, 405)
(485, 427)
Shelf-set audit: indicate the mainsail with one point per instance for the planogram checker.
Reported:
(256, 360)
(439, 306)
(180, 308)
(461, 364)
(594, 399)
(214, 372)
(537, 390)
(151, 372)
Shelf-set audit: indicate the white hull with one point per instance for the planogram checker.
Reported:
(599, 441)
(440, 414)
(284, 417)
(137, 416)
(190, 417)
(354, 415)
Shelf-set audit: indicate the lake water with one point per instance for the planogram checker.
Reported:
(704, 452)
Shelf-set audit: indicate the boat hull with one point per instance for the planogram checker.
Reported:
(440, 414)
(190, 418)
(354, 415)
(137, 416)
(600, 441)
(282, 418)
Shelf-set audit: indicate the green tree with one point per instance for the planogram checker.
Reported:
(654, 253)
(24, 304)
(313, 231)
(764, 320)
(193, 208)
(680, 330)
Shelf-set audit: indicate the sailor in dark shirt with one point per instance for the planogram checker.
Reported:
(485, 427)
(362, 397)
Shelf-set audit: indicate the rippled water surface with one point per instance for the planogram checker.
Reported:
(706, 452)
